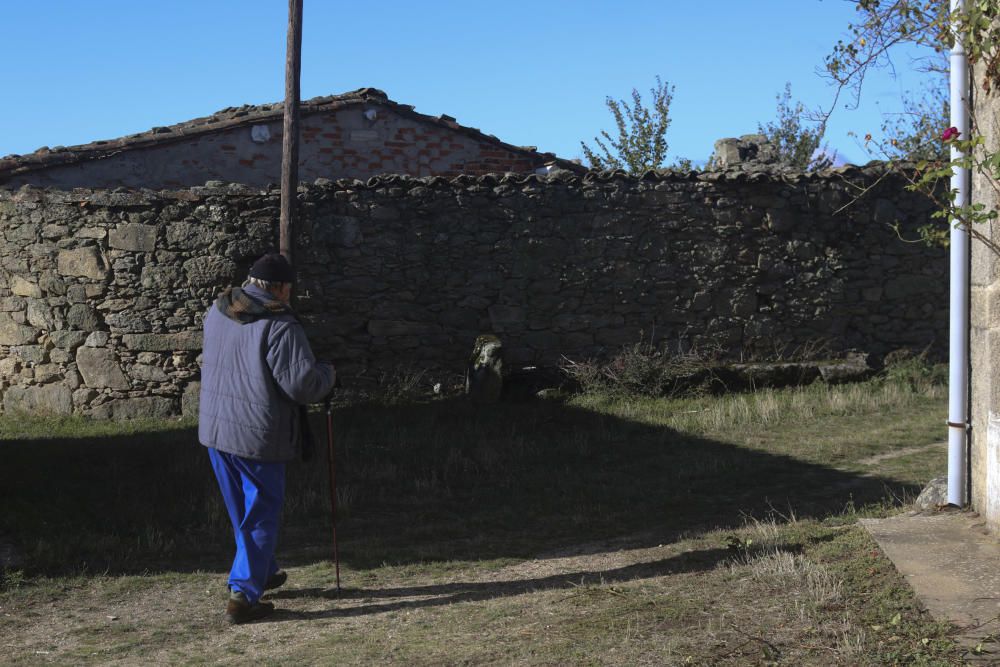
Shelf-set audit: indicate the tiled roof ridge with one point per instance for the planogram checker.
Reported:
(246, 114)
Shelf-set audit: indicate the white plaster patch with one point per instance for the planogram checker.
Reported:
(260, 133)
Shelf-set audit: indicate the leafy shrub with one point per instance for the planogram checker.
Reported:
(644, 369)
(914, 370)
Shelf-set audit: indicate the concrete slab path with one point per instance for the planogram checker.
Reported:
(953, 565)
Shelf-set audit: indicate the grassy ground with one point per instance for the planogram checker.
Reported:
(596, 530)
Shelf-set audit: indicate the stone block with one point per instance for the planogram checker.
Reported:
(384, 213)
(9, 367)
(190, 399)
(47, 373)
(779, 220)
(401, 328)
(134, 237)
(55, 232)
(12, 304)
(542, 340)
(68, 340)
(86, 262)
(143, 407)
(191, 235)
(100, 368)
(83, 317)
(76, 293)
(39, 314)
(871, 293)
(72, 379)
(701, 301)
(744, 305)
(128, 321)
(52, 284)
(184, 340)
(209, 270)
(727, 152)
(14, 333)
(32, 354)
(577, 341)
(616, 338)
(505, 318)
(147, 373)
(161, 277)
(83, 396)
(886, 212)
(394, 310)
(97, 339)
(115, 305)
(348, 234)
(583, 321)
(21, 287)
(44, 399)
(985, 307)
(460, 318)
(908, 285)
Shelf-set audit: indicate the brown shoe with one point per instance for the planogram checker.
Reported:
(239, 610)
(276, 580)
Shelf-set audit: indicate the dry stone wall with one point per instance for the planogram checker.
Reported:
(102, 293)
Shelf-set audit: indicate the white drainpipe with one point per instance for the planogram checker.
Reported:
(958, 352)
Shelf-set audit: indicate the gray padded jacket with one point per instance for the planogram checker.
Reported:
(257, 368)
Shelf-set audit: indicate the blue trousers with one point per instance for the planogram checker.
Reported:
(254, 492)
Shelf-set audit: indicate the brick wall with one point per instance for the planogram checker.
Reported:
(335, 144)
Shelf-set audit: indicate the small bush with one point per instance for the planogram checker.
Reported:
(914, 370)
(11, 580)
(643, 369)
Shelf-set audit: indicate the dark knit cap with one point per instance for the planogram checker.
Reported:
(273, 268)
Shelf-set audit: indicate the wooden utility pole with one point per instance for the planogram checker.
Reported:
(290, 133)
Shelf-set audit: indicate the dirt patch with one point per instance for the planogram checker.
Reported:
(899, 453)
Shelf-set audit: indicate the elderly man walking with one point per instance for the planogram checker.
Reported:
(257, 372)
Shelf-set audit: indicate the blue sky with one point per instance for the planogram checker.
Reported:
(532, 73)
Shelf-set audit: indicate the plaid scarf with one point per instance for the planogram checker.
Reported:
(240, 307)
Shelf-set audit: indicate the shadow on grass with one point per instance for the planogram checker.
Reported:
(445, 594)
(440, 481)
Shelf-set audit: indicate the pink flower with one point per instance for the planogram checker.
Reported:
(950, 133)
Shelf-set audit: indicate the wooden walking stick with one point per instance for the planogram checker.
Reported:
(333, 486)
